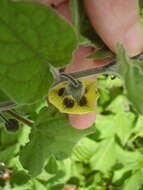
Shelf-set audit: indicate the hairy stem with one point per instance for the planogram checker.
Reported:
(19, 118)
(110, 68)
(7, 105)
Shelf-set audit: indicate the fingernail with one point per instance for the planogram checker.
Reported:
(134, 40)
(82, 121)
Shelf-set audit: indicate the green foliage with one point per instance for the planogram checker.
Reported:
(51, 154)
(131, 72)
(58, 138)
(52, 165)
(19, 178)
(29, 42)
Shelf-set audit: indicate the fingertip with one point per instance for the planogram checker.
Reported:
(82, 121)
(64, 10)
(134, 39)
(117, 22)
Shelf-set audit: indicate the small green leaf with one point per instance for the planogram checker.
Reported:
(120, 124)
(131, 72)
(37, 185)
(8, 152)
(52, 165)
(84, 150)
(138, 129)
(19, 178)
(32, 37)
(51, 135)
(105, 156)
(105, 125)
(8, 138)
(132, 160)
(124, 123)
(119, 105)
(3, 97)
(135, 181)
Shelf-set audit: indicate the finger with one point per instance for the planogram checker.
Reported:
(64, 10)
(117, 21)
(80, 62)
(82, 121)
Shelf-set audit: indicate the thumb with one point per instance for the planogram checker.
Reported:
(117, 21)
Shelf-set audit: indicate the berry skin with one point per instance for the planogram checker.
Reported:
(5, 176)
(12, 125)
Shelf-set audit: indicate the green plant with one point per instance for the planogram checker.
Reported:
(46, 152)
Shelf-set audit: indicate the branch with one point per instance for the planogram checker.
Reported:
(7, 105)
(110, 68)
(19, 118)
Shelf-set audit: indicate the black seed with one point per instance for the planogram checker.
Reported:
(83, 101)
(61, 91)
(12, 125)
(69, 103)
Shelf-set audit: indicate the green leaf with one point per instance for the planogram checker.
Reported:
(120, 124)
(38, 186)
(121, 175)
(52, 134)
(131, 72)
(59, 175)
(3, 97)
(105, 125)
(8, 152)
(84, 150)
(131, 160)
(11, 142)
(124, 123)
(52, 165)
(108, 83)
(138, 129)
(105, 156)
(119, 105)
(7, 138)
(135, 181)
(19, 178)
(32, 37)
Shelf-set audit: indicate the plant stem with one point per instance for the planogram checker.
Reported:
(107, 68)
(19, 118)
(7, 105)
(3, 118)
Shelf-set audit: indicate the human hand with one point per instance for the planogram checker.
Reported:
(114, 21)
